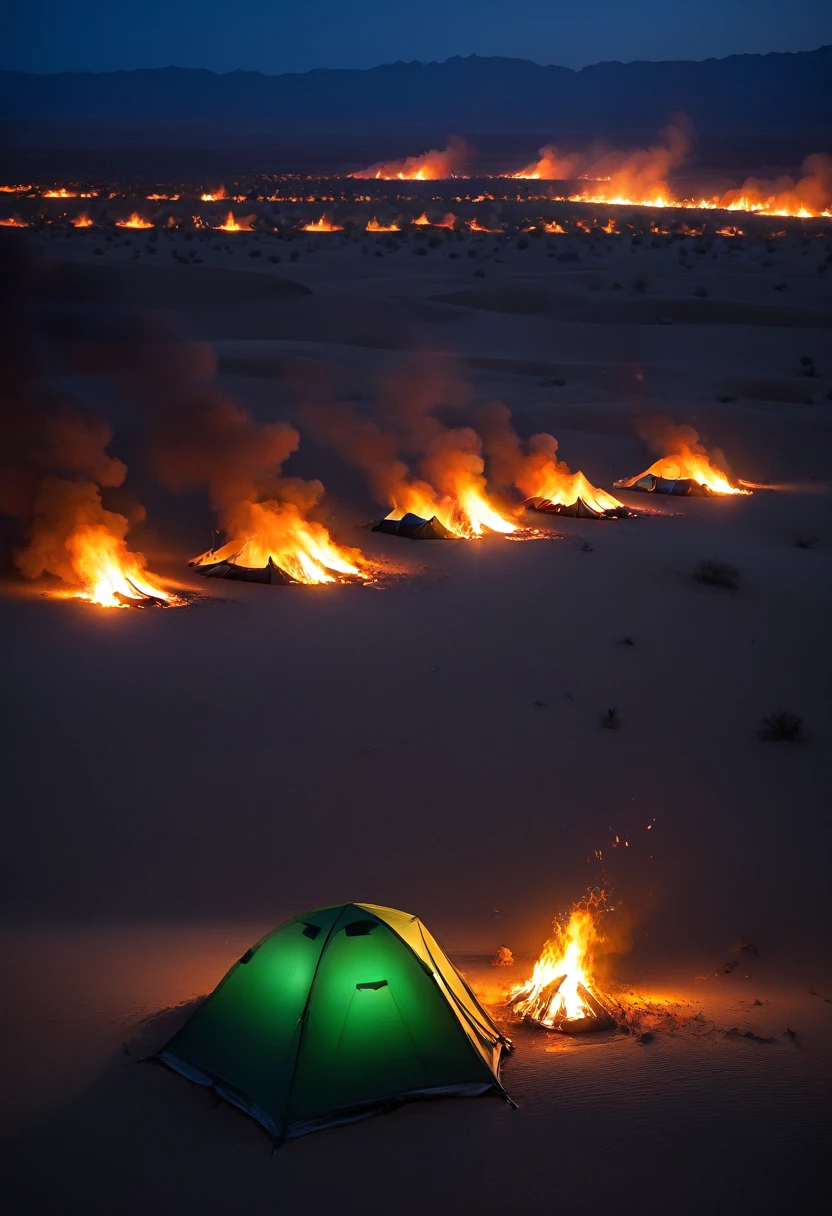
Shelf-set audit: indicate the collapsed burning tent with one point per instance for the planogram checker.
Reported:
(336, 1015)
(209, 565)
(581, 508)
(414, 527)
(685, 473)
(651, 484)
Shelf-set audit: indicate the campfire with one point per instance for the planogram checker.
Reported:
(686, 472)
(283, 548)
(561, 994)
(324, 224)
(135, 221)
(429, 166)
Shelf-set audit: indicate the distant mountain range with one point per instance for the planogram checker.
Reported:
(775, 94)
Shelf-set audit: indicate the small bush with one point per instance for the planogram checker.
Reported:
(639, 284)
(479, 273)
(724, 398)
(522, 242)
(616, 286)
(610, 720)
(780, 286)
(806, 360)
(717, 574)
(701, 292)
(472, 253)
(805, 542)
(586, 547)
(274, 257)
(781, 727)
(627, 639)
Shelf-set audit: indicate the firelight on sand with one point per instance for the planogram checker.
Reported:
(109, 574)
(560, 993)
(686, 464)
(135, 221)
(301, 548)
(324, 224)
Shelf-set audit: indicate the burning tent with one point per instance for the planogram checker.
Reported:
(414, 527)
(687, 472)
(341, 1013)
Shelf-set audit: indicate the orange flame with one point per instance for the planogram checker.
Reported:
(553, 226)
(687, 464)
(476, 227)
(461, 503)
(231, 225)
(561, 990)
(375, 226)
(448, 220)
(135, 221)
(562, 488)
(216, 197)
(14, 189)
(62, 193)
(109, 574)
(161, 198)
(429, 166)
(13, 222)
(300, 547)
(82, 221)
(324, 224)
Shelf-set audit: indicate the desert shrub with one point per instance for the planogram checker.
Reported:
(781, 727)
(420, 251)
(639, 284)
(274, 257)
(616, 286)
(479, 273)
(472, 253)
(805, 542)
(610, 720)
(522, 242)
(806, 360)
(724, 398)
(434, 242)
(627, 639)
(98, 251)
(780, 286)
(701, 292)
(717, 574)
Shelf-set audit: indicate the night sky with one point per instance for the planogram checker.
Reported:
(274, 36)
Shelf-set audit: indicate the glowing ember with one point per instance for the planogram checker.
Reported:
(216, 197)
(375, 226)
(300, 547)
(15, 189)
(553, 226)
(231, 225)
(447, 221)
(62, 193)
(109, 574)
(160, 198)
(13, 222)
(560, 993)
(476, 227)
(687, 464)
(135, 221)
(429, 166)
(324, 224)
(82, 221)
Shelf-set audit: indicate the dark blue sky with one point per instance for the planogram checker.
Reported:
(296, 35)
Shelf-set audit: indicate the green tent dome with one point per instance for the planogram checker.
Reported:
(336, 1015)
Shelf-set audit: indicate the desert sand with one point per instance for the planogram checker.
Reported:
(182, 781)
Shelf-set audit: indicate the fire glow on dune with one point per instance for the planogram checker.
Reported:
(560, 994)
(686, 464)
(429, 166)
(301, 548)
(135, 221)
(324, 224)
(109, 574)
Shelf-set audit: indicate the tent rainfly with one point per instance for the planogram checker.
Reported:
(578, 509)
(413, 527)
(342, 1013)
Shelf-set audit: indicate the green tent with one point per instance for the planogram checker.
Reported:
(336, 1015)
